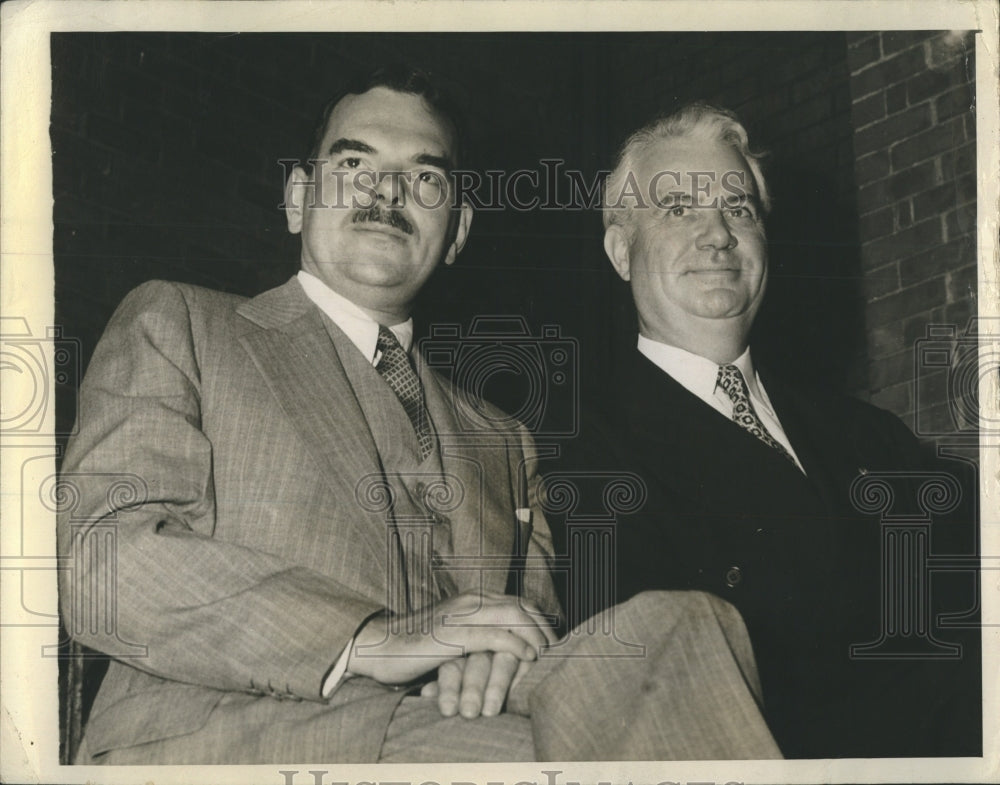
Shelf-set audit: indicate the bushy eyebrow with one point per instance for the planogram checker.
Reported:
(354, 145)
(744, 199)
(357, 146)
(675, 198)
(429, 159)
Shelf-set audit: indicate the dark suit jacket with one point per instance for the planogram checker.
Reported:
(729, 515)
(215, 493)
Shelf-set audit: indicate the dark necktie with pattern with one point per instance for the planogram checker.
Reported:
(731, 380)
(394, 366)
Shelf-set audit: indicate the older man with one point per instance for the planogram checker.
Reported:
(315, 559)
(749, 475)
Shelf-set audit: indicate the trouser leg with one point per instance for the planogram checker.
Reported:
(419, 734)
(688, 691)
(693, 693)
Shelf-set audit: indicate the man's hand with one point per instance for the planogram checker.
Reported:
(477, 684)
(398, 650)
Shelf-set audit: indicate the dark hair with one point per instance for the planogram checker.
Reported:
(403, 79)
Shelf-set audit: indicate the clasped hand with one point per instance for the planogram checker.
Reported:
(481, 645)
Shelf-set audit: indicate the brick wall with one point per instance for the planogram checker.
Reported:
(914, 137)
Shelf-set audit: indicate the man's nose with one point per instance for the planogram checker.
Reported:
(714, 231)
(391, 189)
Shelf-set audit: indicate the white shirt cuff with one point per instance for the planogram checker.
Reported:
(339, 671)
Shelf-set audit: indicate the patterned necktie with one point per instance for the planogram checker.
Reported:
(731, 380)
(394, 366)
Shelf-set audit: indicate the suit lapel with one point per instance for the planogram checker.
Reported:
(675, 426)
(483, 526)
(804, 430)
(662, 415)
(292, 350)
(291, 347)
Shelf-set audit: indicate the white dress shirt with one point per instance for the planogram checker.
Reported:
(354, 322)
(699, 376)
(363, 332)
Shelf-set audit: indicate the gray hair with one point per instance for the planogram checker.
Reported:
(694, 121)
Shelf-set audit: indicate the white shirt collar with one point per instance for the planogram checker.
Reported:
(695, 373)
(354, 322)
(698, 376)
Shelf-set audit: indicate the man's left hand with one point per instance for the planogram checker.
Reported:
(477, 684)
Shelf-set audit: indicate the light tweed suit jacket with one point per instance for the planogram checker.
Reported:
(246, 556)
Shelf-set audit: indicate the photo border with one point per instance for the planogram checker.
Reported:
(29, 734)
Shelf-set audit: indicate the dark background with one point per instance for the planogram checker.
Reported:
(166, 150)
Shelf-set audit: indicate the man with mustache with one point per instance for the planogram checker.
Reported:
(749, 475)
(321, 561)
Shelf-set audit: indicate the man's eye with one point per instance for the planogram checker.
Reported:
(740, 212)
(430, 177)
(351, 163)
(678, 210)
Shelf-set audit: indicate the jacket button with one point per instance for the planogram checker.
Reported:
(734, 575)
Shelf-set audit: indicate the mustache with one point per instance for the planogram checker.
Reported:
(392, 218)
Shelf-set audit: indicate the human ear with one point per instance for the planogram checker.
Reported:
(616, 246)
(295, 198)
(461, 233)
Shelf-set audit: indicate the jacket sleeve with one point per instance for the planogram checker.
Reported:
(137, 518)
